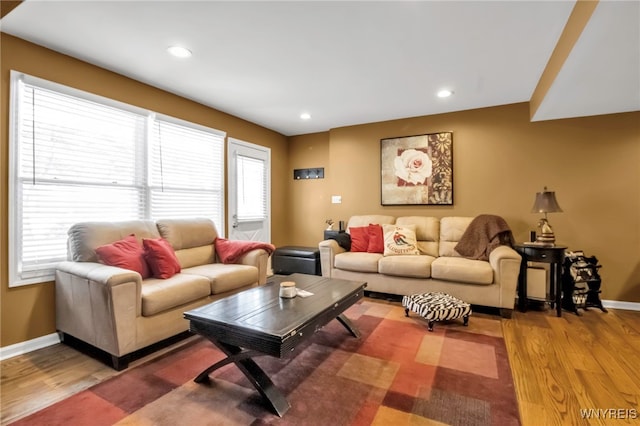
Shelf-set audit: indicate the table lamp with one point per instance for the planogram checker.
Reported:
(545, 203)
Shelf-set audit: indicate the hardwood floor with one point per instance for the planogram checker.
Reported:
(564, 365)
(40, 378)
(560, 366)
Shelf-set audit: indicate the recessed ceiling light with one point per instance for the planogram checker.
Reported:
(179, 51)
(305, 116)
(445, 93)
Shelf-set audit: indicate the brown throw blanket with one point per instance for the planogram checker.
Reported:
(484, 233)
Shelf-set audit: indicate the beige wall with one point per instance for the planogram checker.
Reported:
(501, 160)
(29, 312)
(308, 199)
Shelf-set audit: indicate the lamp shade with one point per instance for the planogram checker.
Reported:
(546, 202)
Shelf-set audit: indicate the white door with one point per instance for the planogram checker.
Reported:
(249, 191)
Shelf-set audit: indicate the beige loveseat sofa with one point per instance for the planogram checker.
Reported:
(117, 311)
(438, 267)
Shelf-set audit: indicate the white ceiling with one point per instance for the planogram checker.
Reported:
(350, 63)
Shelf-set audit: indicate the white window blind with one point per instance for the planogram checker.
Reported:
(252, 190)
(76, 157)
(186, 172)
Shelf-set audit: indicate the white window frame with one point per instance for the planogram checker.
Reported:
(16, 277)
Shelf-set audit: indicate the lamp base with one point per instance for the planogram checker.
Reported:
(546, 235)
(546, 238)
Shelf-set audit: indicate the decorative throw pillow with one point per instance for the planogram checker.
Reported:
(376, 239)
(400, 240)
(161, 258)
(359, 238)
(126, 253)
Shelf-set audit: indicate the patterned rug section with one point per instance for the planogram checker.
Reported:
(397, 373)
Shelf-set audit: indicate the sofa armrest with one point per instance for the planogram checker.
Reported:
(100, 273)
(257, 258)
(503, 253)
(505, 263)
(328, 251)
(98, 304)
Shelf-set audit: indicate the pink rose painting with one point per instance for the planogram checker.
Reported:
(417, 169)
(412, 167)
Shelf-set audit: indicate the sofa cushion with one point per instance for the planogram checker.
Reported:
(126, 253)
(159, 295)
(85, 237)
(462, 269)
(451, 230)
(161, 258)
(187, 233)
(365, 220)
(406, 266)
(195, 256)
(400, 240)
(427, 232)
(192, 239)
(358, 262)
(225, 277)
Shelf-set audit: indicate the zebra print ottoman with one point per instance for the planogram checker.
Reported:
(436, 307)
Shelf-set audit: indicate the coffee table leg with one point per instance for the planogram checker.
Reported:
(348, 325)
(204, 376)
(264, 385)
(252, 371)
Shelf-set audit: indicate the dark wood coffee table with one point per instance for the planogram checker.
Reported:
(258, 322)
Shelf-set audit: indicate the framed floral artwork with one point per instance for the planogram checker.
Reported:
(417, 170)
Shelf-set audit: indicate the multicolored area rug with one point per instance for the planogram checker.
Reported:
(397, 373)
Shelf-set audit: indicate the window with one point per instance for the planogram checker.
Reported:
(78, 157)
(252, 200)
(187, 176)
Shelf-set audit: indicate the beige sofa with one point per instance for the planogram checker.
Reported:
(438, 267)
(117, 311)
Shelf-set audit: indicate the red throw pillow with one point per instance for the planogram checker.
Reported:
(161, 258)
(376, 239)
(359, 238)
(126, 253)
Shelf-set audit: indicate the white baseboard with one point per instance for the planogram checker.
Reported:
(615, 304)
(28, 346)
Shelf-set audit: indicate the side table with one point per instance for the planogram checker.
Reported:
(332, 233)
(551, 255)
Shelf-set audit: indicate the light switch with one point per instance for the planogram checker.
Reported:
(336, 199)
